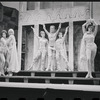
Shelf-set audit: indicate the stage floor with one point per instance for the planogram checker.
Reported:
(90, 88)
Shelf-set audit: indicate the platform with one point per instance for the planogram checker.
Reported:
(50, 85)
(53, 77)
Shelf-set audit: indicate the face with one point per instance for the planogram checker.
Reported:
(52, 29)
(10, 32)
(60, 35)
(42, 34)
(4, 35)
(90, 29)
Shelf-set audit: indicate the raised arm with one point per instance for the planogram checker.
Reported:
(58, 29)
(35, 32)
(96, 27)
(66, 31)
(45, 29)
(84, 28)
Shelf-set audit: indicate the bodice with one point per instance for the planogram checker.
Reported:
(52, 38)
(43, 43)
(59, 44)
(89, 38)
(4, 42)
(12, 41)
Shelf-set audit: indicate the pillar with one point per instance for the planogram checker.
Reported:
(36, 45)
(22, 8)
(71, 54)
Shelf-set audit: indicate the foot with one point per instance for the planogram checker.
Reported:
(51, 69)
(10, 74)
(2, 74)
(89, 76)
(47, 70)
(41, 69)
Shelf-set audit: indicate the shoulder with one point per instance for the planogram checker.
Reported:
(46, 39)
(2, 38)
(11, 36)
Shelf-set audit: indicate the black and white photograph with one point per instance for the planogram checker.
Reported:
(49, 50)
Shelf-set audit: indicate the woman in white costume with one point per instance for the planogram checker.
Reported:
(51, 46)
(3, 53)
(40, 60)
(88, 47)
(13, 65)
(61, 55)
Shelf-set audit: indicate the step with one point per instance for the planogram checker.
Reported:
(53, 80)
(56, 73)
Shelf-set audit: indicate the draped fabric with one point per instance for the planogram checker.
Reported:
(83, 64)
(2, 58)
(13, 56)
(37, 64)
(63, 64)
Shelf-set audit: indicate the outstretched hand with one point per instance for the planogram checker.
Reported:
(60, 25)
(67, 28)
(43, 25)
(32, 27)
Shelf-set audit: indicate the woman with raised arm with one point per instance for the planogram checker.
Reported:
(13, 66)
(88, 47)
(61, 55)
(51, 46)
(41, 53)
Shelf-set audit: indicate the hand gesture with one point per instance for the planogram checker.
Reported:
(32, 27)
(60, 25)
(43, 26)
(67, 28)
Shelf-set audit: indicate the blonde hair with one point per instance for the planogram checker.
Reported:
(11, 31)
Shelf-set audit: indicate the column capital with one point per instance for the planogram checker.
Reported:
(22, 6)
(37, 5)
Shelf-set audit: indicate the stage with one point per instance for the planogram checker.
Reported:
(33, 91)
(33, 85)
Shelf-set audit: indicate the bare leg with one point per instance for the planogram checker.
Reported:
(88, 54)
(2, 63)
(53, 61)
(49, 59)
(58, 59)
(93, 57)
(65, 58)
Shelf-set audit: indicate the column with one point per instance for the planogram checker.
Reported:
(22, 8)
(36, 26)
(71, 55)
(91, 9)
(37, 5)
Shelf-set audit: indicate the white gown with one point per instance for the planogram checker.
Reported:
(13, 56)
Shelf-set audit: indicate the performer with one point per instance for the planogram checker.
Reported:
(61, 52)
(13, 65)
(41, 53)
(51, 46)
(3, 52)
(88, 47)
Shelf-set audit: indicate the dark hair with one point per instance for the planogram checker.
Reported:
(3, 31)
(89, 25)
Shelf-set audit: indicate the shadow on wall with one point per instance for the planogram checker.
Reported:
(78, 34)
(97, 58)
